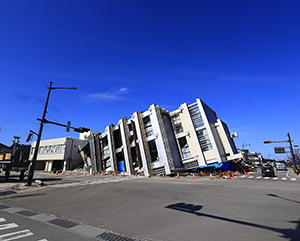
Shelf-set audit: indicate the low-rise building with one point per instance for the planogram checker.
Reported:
(57, 154)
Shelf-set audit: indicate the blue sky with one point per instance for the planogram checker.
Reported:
(240, 57)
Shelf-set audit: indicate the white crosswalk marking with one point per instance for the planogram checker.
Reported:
(97, 181)
(258, 177)
(275, 178)
(251, 177)
(267, 178)
(293, 179)
(16, 235)
(7, 226)
(284, 179)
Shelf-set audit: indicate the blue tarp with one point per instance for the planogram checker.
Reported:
(224, 166)
(121, 166)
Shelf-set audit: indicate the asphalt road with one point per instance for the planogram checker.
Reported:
(247, 207)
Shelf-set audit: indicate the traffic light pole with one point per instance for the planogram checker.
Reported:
(292, 152)
(33, 161)
(39, 135)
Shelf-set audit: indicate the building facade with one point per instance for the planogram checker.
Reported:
(57, 154)
(158, 141)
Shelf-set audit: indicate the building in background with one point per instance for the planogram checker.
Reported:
(57, 154)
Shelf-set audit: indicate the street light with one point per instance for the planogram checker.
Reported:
(245, 145)
(39, 135)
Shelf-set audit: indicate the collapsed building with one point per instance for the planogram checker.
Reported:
(158, 141)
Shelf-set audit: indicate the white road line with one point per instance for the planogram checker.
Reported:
(266, 178)
(242, 176)
(16, 235)
(284, 179)
(43, 240)
(258, 177)
(250, 176)
(293, 179)
(2, 220)
(275, 178)
(7, 226)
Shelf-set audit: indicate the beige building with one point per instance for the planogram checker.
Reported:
(202, 138)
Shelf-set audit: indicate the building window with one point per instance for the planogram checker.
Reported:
(153, 151)
(52, 149)
(117, 139)
(149, 131)
(105, 151)
(196, 116)
(204, 140)
(131, 139)
(147, 121)
(178, 128)
(185, 150)
(176, 119)
(129, 128)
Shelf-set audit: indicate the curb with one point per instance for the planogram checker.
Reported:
(73, 226)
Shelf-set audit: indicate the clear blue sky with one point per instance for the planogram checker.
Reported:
(240, 57)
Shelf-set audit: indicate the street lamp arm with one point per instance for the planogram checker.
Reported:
(62, 88)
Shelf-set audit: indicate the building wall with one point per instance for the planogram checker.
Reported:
(60, 153)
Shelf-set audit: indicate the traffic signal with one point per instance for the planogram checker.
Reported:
(81, 129)
(267, 142)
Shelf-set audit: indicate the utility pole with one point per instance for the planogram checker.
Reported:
(43, 121)
(245, 145)
(33, 161)
(292, 152)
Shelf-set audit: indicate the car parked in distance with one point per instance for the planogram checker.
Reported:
(268, 171)
(280, 165)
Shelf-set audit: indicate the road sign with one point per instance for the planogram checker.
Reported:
(279, 149)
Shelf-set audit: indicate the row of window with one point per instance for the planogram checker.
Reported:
(51, 149)
(202, 134)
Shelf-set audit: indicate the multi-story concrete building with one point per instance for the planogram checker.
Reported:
(159, 141)
(202, 138)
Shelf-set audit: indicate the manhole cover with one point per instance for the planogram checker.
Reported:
(114, 237)
(27, 213)
(63, 223)
(2, 206)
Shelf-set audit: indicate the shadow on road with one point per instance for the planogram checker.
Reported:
(283, 198)
(292, 234)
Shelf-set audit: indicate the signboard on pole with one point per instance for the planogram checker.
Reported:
(279, 149)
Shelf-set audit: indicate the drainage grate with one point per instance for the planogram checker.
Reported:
(27, 213)
(7, 193)
(63, 223)
(2, 206)
(114, 237)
